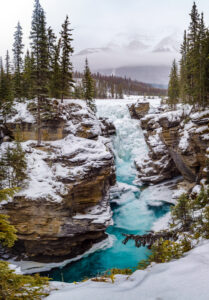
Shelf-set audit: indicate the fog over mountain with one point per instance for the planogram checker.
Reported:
(146, 60)
(113, 34)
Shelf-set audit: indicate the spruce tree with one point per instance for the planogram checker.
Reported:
(194, 74)
(88, 87)
(13, 166)
(206, 69)
(18, 61)
(39, 50)
(28, 76)
(202, 61)
(66, 75)
(6, 89)
(51, 47)
(55, 77)
(173, 87)
(193, 64)
(183, 70)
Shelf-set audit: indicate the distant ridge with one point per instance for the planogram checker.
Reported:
(107, 85)
(157, 75)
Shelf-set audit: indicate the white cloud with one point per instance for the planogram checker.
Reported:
(98, 23)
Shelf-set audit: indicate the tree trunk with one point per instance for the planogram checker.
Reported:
(62, 97)
(39, 121)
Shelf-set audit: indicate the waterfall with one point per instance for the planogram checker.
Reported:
(129, 142)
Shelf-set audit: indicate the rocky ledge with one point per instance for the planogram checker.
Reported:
(139, 109)
(178, 143)
(63, 208)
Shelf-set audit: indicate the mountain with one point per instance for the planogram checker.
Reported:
(89, 51)
(143, 59)
(149, 74)
(167, 44)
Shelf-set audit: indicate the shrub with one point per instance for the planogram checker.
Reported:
(15, 286)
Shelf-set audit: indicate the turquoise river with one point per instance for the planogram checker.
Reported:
(131, 214)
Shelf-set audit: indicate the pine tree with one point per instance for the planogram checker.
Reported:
(88, 87)
(183, 70)
(173, 87)
(6, 89)
(13, 166)
(51, 47)
(78, 92)
(39, 49)
(18, 61)
(55, 78)
(28, 76)
(66, 75)
(193, 65)
(202, 60)
(206, 69)
(194, 74)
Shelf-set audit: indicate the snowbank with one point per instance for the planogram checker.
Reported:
(183, 279)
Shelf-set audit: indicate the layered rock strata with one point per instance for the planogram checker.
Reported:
(63, 207)
(178, 142)
(139, 109)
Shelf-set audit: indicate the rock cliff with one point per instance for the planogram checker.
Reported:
(139, 109)
(64, 206)
(178, 143)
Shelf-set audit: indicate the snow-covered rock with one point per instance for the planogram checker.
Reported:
(177, 141)
(63, 207)
(139, 109)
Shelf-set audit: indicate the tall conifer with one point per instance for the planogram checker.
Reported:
(173, 87)
(6, 88)
(39, 50)
(55, 78)
(88, 87)
(183, 69)
(18, 61)
(66, 75)
(29, 76)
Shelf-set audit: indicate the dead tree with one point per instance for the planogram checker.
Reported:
(150, 238)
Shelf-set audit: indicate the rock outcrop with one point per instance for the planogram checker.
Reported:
(108, 128)
(178, 142)
(64, 206)
(60, 120)
(158, 165)
(139, 109)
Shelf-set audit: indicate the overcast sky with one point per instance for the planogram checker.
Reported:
(105, 23)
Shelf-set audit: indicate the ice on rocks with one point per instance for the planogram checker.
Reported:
(97, 215)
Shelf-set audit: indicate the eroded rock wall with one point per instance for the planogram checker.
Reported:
(178, 143)
(63, 207)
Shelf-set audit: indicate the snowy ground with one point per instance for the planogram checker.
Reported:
(182, 279)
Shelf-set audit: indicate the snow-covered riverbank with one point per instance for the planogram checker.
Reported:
(183, 279)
